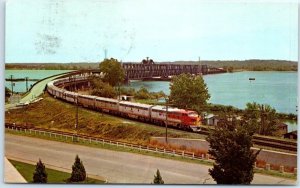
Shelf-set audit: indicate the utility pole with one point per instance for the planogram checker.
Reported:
(262, 117)
(26, 80)
(119, 93)
(105, 53)
(12, 85)
(167, 119)
(199, 69)
(76, 124)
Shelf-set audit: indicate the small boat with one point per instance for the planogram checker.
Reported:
(251, 78)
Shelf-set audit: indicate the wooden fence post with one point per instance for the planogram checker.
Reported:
(207, 156)
(268, 167)
(281, 169)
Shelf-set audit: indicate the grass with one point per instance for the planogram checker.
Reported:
(276, 173)
(148, 153)
(54, 176)
(54, 114)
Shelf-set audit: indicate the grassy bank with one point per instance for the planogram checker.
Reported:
(54, 114)
(54, 176)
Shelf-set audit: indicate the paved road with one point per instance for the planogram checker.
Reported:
(34, 92)
(117, 167)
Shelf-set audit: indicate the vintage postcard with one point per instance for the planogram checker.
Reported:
(151, 92)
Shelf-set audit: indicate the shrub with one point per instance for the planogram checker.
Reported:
(40, 174)
(157, 178)
(78, 171)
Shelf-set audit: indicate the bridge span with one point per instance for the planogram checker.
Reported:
(148, 70)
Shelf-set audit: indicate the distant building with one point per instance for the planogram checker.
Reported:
(291, 135)
(211, 119)
(126, 98)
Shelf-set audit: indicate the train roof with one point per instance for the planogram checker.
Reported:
(106, 99)
(135, 104)
(70, 92)
(87, 96)
(164, 108)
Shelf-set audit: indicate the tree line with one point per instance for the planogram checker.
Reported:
(250, 65)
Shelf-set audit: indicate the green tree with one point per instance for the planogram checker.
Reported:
(40, 174)
(157, 178)
(102, 89)
(142, 93)
(234, 160)
(158, 95)
(113, 71)
(78, 171)
(188, 91)
(261, 119)
(127, 91)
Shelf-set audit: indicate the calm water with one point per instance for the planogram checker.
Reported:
(33, 74)
(279, 89)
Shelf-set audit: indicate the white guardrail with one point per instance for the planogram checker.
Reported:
(91, 140)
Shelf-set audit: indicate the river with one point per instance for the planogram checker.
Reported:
(31, 74)
(279, 89)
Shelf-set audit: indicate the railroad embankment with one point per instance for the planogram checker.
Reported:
(54, 114)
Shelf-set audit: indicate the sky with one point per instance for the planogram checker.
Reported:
(65, 31)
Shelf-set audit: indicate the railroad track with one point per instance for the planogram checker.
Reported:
(257, 140)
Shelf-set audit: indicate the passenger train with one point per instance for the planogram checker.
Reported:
(156, 114)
